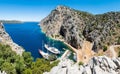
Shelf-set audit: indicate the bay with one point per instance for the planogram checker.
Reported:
(31, 38)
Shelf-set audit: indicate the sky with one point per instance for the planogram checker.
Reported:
(36, 10)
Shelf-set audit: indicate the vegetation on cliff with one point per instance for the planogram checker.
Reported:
(16, 64)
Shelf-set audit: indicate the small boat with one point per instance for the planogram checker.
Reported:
(44, 55)
(52, 49)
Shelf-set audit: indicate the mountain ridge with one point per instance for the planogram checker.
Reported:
(74, 26)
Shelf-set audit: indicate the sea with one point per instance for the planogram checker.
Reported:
(29, 36)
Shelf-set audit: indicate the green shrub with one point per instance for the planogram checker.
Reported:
(42, 65)
(52, 57)
(80, 63)
(28, 71)
(119, 54)
(55, 63)
(104, 48)
(118, 25)
(118, 40)
(15, 64)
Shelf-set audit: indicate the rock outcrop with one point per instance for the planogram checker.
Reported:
(97, 65)
(6, 39)
(74, 26)
(3, 72)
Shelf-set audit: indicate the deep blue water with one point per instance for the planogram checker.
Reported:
(29, 36)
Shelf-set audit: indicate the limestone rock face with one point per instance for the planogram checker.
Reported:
(74, 26)
(6, 39)
(3, 33)
(97, 65)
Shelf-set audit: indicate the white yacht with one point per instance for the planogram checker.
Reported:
(52, 49)
(44, 55)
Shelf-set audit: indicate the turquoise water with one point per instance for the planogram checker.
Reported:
(29, 36)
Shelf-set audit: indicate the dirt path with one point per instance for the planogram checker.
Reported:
(114, 54)
(66, 53)
(74, 49)
(112, 49)
(85, 53)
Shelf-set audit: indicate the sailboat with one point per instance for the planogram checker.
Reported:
(52, 49)
(44, 55)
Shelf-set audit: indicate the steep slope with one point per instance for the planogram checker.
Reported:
(74, 26)
(6, 39)
(104, 31)
(67, 24)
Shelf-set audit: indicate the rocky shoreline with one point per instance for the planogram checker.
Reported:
(6, 39)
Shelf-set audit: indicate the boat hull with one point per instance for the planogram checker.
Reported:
(44, 55)
(52, 49)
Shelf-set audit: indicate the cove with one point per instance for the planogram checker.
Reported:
(31, 38)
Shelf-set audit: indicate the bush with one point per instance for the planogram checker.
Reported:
(28, 71)
(52, 57)
(104, 48)
(118, 40)
(80, 63)
(8, 67)
(12, 63)
(42, 65)
(118, 25)
(119, 54)
(55, 63)
(28, 59)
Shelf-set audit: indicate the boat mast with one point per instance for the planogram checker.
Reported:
(42, 45)
(47, 50)
(53, 43)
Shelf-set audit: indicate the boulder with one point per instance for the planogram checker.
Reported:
(97, 65)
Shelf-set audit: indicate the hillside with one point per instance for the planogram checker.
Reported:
(75, 26)
(6, 39)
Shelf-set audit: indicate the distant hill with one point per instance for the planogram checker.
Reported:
(10, 21)
(75, 26)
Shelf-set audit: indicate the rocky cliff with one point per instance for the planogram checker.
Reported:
(97, 65)
(74, 26)
(6, 39)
